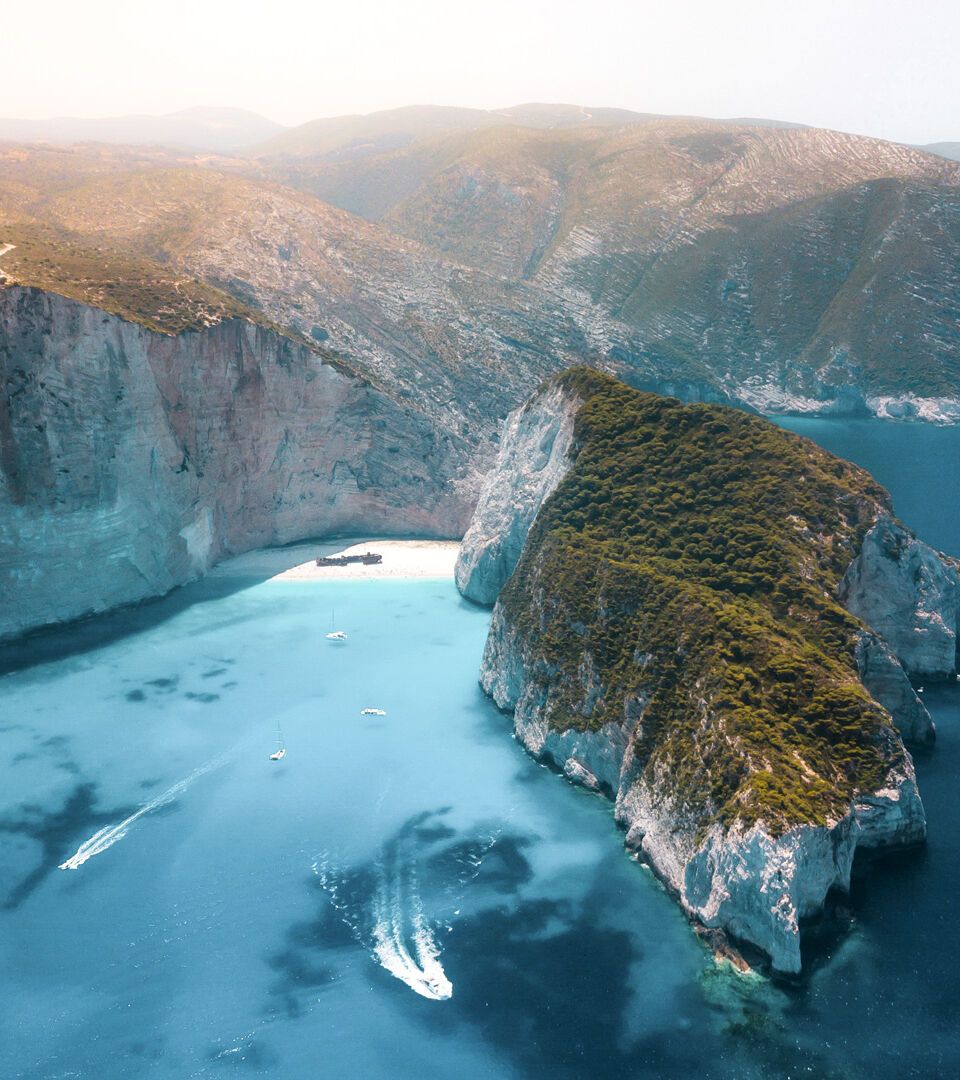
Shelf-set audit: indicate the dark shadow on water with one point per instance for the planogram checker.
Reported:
(545, 982)
(502, 867)
(82, 635)
(95, 631)
(425, 864)
(298, 977)
(299, 969)
(165, 685)
(59, 833)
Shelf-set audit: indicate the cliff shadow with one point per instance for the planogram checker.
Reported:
(46, 644)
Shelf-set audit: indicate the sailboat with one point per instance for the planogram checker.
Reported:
(335, 635)
(281, 750)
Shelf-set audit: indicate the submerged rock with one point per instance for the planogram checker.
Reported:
(670, 636)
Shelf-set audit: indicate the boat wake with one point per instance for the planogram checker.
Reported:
(384, 904)
(108, 836)
(404, 942)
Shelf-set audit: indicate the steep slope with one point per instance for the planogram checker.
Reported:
(458, 344)
(788, 268)
(671, 635)
(132, 460)
(808, 269)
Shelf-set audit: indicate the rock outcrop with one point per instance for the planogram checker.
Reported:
(909, 594)
(131, 460)
(885, 679)
(636, 684)
(748, 883)
(534, 457)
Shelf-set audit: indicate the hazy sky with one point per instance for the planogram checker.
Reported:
(873, 66)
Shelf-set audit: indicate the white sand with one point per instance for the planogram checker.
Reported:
(401, 559)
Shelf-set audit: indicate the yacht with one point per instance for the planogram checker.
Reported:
(281, 750)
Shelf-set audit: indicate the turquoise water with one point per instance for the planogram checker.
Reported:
(401, 895)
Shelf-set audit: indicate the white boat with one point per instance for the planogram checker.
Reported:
(373, 712)
(335, 635)
(281, 750)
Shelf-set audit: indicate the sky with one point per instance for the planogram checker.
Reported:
(875, 67)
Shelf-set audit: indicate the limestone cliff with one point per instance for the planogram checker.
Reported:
(671, 637)
(534, 457)
(910, 594)
(132, 460)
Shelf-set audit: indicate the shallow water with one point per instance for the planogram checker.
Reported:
(401, 895)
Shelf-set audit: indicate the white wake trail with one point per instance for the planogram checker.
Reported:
(107, 837)
(422, 970)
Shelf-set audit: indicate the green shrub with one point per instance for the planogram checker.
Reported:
(700, 548)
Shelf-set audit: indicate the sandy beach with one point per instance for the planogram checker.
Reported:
(401, 559)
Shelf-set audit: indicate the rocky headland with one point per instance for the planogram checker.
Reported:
(714, 623)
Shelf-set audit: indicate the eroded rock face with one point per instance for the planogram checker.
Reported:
(883, 676)
(752, 885)
(131, 461)
(753, 882)
(534, 457)
(910, 595)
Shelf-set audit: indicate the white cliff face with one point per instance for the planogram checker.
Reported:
(886, 681)
(130, 461)
(534, 457)
(757, 883)
(747, 883)
(910, 595)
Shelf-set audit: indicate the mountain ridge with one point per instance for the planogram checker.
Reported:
(789, 268)
(219, 129)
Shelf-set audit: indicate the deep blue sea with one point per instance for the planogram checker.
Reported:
(407, 895)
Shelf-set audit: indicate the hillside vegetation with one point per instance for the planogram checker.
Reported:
(134, 287)
(689, 560)
(791, 262)
(456, 343)
(458, 256)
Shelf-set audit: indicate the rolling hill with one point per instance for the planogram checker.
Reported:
(220, 130)
(788, 268)
(798, 265)
(458, 344)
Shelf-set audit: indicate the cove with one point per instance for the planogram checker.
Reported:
(411, 893)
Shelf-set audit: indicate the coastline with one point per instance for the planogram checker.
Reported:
(423, 559)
